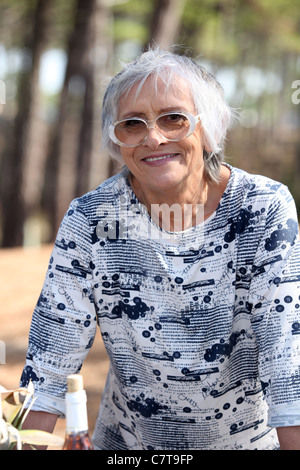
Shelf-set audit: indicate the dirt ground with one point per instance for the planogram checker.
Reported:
(22, 273)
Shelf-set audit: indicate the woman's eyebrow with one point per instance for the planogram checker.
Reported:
(161, 111)
(132, 114)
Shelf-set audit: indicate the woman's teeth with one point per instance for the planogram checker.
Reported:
(153, 159)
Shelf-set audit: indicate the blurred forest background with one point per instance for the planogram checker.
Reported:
(55, 57)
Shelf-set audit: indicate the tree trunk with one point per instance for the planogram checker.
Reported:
(74, 142)
(97, 57)
(166, 22)
(20, 176)
(103, 56)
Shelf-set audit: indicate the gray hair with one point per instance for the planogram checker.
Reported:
(207, 94)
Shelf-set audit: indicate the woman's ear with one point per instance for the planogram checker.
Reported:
(205, 154)
(206, 147)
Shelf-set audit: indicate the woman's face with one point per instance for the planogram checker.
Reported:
(157, 164)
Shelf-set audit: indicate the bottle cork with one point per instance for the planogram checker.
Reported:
(75, 383)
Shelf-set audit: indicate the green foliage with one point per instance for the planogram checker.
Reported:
(225, 30)
(128, 29)
(133, 8)
(131, 20)
(245, 41)
(21, 13)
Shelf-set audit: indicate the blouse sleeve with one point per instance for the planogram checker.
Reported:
(64, 320)
(274, 295)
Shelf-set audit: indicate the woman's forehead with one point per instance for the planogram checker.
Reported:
(156, 91)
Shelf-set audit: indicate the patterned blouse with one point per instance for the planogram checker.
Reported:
(201, 327)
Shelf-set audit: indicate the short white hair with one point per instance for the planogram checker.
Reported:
(207, 94)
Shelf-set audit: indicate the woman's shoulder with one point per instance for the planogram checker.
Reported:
(108, 192)
(256, 185)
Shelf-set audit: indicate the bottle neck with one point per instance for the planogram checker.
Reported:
(76, 412)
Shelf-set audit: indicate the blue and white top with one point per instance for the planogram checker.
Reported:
(202, 327)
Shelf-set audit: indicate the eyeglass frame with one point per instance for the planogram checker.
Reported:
(193, 120)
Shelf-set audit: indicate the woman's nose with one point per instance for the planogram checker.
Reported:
(154, 138)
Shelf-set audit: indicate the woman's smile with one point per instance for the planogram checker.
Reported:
(155, 160)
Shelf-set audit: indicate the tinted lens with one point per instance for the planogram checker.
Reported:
(173, 126)
(131, 131)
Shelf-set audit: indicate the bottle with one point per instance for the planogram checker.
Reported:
(77, 436)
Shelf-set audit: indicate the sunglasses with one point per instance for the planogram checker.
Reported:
(173, 126)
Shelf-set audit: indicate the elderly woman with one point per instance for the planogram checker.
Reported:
(191, 269)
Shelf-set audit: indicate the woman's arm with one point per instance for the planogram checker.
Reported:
(64, 320)
(42, 421)
(289, 437)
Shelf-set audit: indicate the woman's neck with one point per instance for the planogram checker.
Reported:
(176, 209)
(181, 208)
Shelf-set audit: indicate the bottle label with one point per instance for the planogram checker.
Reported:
(76, 412)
